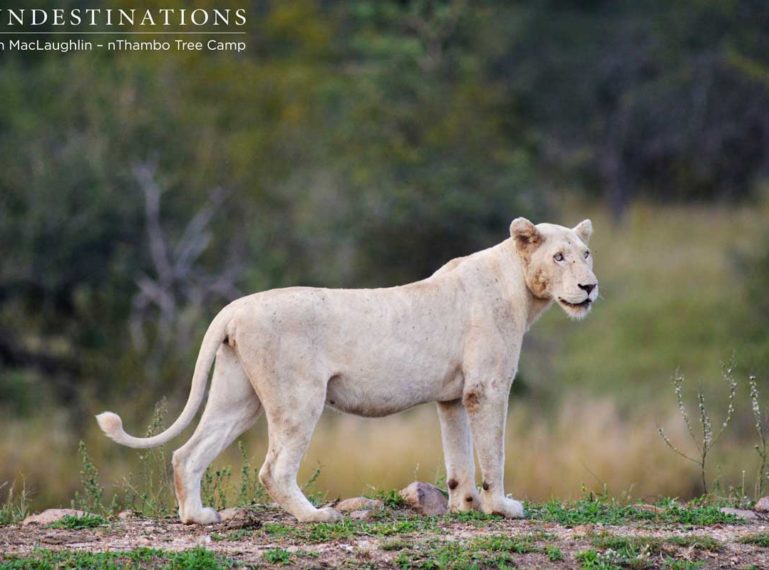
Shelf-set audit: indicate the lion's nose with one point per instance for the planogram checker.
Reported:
(588, 288)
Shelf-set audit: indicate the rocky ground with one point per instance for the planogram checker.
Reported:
(378, 535)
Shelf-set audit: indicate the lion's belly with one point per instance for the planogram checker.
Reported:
(375, 396)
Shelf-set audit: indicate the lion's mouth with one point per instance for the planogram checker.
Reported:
(583, 305)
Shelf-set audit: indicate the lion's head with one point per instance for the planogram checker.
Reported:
(557, 263)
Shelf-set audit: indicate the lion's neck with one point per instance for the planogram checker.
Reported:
(535, 308)
(503, 271)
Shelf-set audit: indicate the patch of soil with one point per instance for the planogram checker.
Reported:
(394, 539)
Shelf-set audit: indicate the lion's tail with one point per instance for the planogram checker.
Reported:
(112, 425)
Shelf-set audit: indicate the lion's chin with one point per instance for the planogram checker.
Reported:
(576, 311)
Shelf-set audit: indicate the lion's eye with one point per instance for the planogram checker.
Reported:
(558, 257)
(587, 254)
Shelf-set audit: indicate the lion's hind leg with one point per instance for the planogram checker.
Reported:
(291, 417)
(232, 408)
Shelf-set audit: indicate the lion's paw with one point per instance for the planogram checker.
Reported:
(326, 514)
(464, 502)
(508, 508)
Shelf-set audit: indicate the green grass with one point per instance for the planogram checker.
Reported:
(44, 559)
(472, 516)
(419, 542)
(453, 555)
(238, 534)
(502, 543)
(395, 545)
(622, 551)
(489, 551)
(554, 554)
(16, 506)
(277, 556)
(610, 512)
(758, 539)
(593, 560)
(691, 247)
(75, 522)
(614, 551)
(671, 564)
(391, 499)
(697, 542)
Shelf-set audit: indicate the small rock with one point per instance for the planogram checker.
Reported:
(583, 529)
(424, 498)
(125, 515)
(204, 540)
(762, 505)
(359, 504)
(231, 513)
(51, 516)
(739, 513)
(236, 518)
(361, 515)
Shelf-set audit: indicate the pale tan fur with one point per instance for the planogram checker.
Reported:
(453, 339)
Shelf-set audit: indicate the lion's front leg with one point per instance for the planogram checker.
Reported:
(458, 455)
(486, 405)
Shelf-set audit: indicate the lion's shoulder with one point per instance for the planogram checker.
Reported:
(450, 265)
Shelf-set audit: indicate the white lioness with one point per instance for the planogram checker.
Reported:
(453, 339)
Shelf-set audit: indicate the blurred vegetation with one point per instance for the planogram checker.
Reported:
(365, 144)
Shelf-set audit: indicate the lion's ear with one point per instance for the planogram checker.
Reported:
(525, 234)
(584, 230)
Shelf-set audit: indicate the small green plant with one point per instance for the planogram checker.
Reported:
(707, 438)
(280, 530)
(16, 507)
(156, 499)
(214, 487)
(277, 556)
(593, 560)
(391, 498)
(92, 498)
(251, 491)
(763, 474)
(554, 554)
(315, 496)
(153, 497)
(75, 522)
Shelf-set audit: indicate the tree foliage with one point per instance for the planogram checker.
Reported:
(354, 144)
